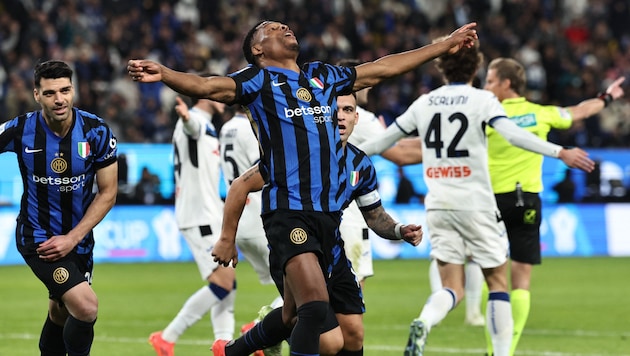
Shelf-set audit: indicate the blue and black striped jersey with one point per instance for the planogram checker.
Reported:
(362, 184)
(57, 174)
(295, 118)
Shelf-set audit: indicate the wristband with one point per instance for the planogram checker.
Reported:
(607, 98)
(397, 231)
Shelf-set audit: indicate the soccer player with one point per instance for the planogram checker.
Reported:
(345, 295)
(354, 229)
(61, 151)
(516, 174)
(239, 152)
(198, 211)
(473, 290)
(294, 113)
(462, 214)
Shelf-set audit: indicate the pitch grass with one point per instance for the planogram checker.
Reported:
(579, 307)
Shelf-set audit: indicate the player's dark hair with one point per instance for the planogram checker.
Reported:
(52, 69)
(247, 43)
(461, 66)
(508, 68)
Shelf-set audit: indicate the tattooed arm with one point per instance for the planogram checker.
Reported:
(386, 227)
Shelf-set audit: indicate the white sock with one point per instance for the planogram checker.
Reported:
(195, 307)
(474, 283)
(434, 276)
(277, 303)
(222, 317)
(437, 306)
(499, 322)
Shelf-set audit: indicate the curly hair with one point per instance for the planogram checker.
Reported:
(461, 66)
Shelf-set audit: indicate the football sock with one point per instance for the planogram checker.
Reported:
(474, 282)
(194, 308)
(437, 306)
(434, 276)
(484, 297)
(78, 336)
(51, 340)
(305, 335)
(222, 317)
(277, 303)
(520, 299)
(499, 322)
(268, 332)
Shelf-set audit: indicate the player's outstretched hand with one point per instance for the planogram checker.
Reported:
(412, 234)
(181, 109)
(615, 88)
(577, 158)
(464, 36)
(144, 71)
(224, 252)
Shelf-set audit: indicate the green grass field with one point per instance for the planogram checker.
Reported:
(579, 307)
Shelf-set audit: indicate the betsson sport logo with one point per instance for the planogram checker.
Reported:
(64, 184)
(321, 114)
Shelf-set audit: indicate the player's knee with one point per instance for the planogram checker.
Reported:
(353, 338)
(314, 311)
(331, 342)
(223, 277)
(86, 312)
(83, 305)
(58, 314)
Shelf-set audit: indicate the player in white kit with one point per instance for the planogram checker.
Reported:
(353, 228)
(461, 209)
(239, 152)
(199, 212)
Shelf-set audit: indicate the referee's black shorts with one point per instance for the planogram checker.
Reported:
(523, 225)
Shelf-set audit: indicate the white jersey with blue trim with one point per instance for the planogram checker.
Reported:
(451, 121)
(197, 174)
(240, 151)
(367, 127)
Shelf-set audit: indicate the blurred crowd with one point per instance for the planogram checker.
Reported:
(572, 49)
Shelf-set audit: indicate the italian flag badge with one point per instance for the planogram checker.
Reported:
(316, 83)
(354, 178)
(84, 149)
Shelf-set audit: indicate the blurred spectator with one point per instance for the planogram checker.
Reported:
(593, 183)
(147, 191)
(568, 47)
(406, 193)
(565, 188)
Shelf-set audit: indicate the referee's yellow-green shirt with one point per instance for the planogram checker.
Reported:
(509, 164)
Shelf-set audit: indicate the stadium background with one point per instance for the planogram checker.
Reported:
(571, 49)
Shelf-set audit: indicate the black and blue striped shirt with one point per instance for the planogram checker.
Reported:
(362, 183)
(57, 174)
(295, 118)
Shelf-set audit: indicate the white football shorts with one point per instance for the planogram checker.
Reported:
(456, 234)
